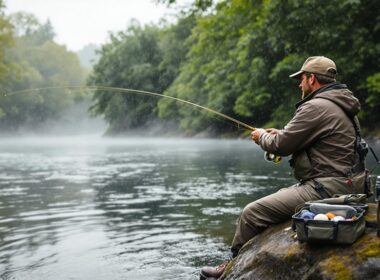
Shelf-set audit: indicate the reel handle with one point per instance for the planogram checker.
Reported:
(272, 157)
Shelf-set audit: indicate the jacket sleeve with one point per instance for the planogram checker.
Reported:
(300, 132)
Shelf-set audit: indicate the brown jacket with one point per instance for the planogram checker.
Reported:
(320, 136)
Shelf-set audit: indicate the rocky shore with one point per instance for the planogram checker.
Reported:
(277, 254)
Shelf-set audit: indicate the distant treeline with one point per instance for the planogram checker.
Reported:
(232, 56)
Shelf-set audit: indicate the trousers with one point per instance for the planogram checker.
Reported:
(280, 206)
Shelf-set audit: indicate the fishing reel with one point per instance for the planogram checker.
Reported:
(272, 157)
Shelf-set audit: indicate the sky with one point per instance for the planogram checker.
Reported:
(81, 22)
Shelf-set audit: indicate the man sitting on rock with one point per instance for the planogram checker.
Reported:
(322, 138)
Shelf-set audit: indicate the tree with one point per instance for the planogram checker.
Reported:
(6, 40)
(130, 60)
(211, 75)
(27, 26)
(175, 47)
(242, 53)
(197, 5)
(38, 62)
(236, 59)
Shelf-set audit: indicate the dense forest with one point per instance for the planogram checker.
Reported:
(231, 56)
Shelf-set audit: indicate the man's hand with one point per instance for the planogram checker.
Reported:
(272, 130)
(255, 135)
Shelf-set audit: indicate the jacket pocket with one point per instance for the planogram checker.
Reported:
(302, 167)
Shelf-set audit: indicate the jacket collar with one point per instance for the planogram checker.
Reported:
(322, 89)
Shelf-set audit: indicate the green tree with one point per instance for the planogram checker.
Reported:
(6, 40)
(241, 56)
(236, 59)
(196, 5)
(347, 31)
(373, 102)
(211, 75)
(38, 62)
(175, 46)
(130, 60)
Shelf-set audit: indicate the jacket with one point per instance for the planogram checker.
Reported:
(321, 136)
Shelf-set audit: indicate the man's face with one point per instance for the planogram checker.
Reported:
(305, 85)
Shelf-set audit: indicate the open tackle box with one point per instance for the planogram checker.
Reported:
(329, 223)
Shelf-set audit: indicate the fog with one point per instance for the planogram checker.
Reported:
(74, 121)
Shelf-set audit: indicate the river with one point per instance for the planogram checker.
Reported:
(95, 208)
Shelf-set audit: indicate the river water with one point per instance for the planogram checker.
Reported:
(93, 208)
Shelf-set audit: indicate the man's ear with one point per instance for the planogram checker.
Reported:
(312, 79)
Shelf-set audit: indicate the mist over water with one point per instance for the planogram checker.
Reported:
(97, 208)
(74, 120)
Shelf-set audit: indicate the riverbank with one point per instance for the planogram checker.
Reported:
(276, 254)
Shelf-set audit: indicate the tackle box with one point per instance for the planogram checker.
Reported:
(334, 232)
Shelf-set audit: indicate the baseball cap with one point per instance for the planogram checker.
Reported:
(317, 65)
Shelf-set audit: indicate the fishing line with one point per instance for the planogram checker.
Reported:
(267, 156)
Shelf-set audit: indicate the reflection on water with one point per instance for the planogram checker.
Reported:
(87, 208)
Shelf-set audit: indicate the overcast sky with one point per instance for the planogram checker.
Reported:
(80, 22)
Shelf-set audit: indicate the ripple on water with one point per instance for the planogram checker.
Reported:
(57, 214)
(13, 191)
(217, 211)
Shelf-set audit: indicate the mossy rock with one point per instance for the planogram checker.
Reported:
(277, 254)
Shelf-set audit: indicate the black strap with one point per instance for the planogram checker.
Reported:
(335, 225)
(361, 147)
(320, 189)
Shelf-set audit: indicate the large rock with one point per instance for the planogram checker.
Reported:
(276, 254)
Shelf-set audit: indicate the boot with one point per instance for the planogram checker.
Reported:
(213, 272)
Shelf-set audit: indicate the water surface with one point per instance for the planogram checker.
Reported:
(91, 208)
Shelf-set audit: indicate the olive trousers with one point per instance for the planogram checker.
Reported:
(280, 206)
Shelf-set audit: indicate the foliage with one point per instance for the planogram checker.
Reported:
(174, 46)
(37, 62)
(143, 58)
(196, 5)
(373, 100)
(131, 60)
(242, 54)
(237, 60)
(6, 40)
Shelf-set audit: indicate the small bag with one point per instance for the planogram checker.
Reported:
(329, 231)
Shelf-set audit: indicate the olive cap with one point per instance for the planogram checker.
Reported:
(317, 65)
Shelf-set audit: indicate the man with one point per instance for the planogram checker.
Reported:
(321, 137)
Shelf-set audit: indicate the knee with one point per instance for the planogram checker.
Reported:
(248, 213)
(255, 216)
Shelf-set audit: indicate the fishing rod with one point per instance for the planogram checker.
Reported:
(138, 92)
(268, 156)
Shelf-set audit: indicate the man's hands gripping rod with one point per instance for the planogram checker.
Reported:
(255, 136)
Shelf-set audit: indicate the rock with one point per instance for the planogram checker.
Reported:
(277, 254)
